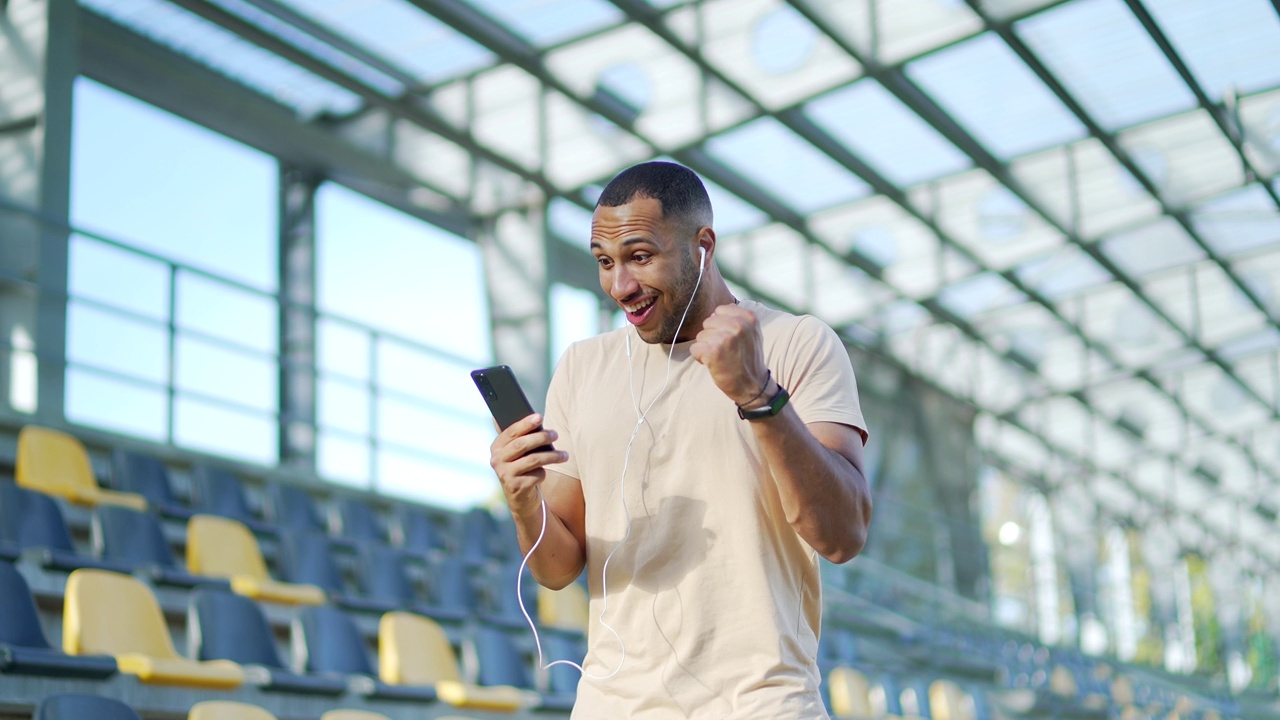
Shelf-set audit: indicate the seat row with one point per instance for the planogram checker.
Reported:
(77, 707)
(58, 464)
(223, 552)
(112, 623)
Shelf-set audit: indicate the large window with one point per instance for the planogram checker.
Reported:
(404, 320)
(171, 324)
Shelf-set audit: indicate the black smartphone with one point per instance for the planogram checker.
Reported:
(504, 396)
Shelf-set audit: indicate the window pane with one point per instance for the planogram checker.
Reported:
(203, 426)
(100, 272)
(104, 340)
(227, 312)
(111, 404)
(228, 375)
(166, 185)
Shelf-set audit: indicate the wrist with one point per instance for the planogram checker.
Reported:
(762, 399)
(760, 393)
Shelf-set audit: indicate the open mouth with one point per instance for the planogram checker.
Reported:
(638, 313)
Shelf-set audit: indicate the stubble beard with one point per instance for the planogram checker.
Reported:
(681, 294)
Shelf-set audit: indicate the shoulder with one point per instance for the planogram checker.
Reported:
(593, 350)
(781, 326)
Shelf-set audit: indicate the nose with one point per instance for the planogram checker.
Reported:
(624, 284)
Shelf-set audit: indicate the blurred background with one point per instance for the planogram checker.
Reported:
(275, 235)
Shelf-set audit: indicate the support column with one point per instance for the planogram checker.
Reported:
(516, 274)
(297, 323)
(38, 66)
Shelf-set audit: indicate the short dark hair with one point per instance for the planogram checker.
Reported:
(676, 187)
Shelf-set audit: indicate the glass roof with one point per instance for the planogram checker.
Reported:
(1065, 212)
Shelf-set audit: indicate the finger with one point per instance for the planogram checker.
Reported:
(523, 426)
(525, 443)
(536, 461)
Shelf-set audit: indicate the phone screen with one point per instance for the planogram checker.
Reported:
(504, 396)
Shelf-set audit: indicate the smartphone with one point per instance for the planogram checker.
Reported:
(504, 396)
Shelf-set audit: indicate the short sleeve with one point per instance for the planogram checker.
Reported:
(819, 376)
(559, 413)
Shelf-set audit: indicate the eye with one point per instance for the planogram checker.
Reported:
(641, 257)
(604, 262)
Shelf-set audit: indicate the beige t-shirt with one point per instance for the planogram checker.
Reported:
(716, 598)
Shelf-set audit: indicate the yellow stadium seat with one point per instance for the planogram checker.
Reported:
(106, 613)
(224, 548)
(948, 701)
(55, 463)
(567, 609)
(413, 650)
(227, 710)
(850, 694)
(353, 715)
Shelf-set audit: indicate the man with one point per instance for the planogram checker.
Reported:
(707, 453)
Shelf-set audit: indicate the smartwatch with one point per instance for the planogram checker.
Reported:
(776, 403)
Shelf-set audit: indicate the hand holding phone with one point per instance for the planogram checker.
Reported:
(522, 448)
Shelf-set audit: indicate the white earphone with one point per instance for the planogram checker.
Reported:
(702, 261)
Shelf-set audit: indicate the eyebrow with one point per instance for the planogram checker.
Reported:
(625, 243)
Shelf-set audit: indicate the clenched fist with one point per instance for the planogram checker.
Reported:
(731, 347)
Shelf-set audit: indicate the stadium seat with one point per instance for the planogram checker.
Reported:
(307, 558)
(79, 707)
(357, 715)
(219, 492)
(31, 522)
(502, 607)
(294, 510)
(502, 664)
(224, 548)
(850, 694)
(566, 609)
(331, 644)
(227, 710)
(418, 532)
(226, 626)
(359, 523)
(24, 649)
(453, 595)
(563, 679)
(413, 650)
(135, 540)
(146, 476)
(56, 463)
(479, 531)
(948, 701)
(107, 613)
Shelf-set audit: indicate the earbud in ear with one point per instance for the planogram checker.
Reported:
(702, 261)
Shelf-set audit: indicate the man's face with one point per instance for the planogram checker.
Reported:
(648, 267)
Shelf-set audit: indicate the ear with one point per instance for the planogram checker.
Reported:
(706, 245)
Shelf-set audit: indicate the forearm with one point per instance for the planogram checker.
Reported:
(824, 496)
(559, 558)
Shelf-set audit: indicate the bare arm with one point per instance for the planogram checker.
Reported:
(562, 554)
(818, 471)
(817, 467)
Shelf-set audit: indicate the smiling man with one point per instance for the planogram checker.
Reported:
(706, 455)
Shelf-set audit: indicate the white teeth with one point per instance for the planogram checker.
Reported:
(637, 308)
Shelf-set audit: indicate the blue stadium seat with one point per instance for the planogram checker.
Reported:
(562, 679)
(219, 492)
(502, 607)
(24, 650)
(419, 533)
(332, 646)
(501, 663)
(294, 510)
(146, 476)
(226, 626)
(359, 523)
(307, 558)
(384, 579)
(479, 532)
(452, 594)
(32, 521)
(79, 707)
(136, 540)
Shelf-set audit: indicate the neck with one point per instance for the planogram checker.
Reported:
(715, 293)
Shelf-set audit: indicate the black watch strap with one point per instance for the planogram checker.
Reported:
(776, 403)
